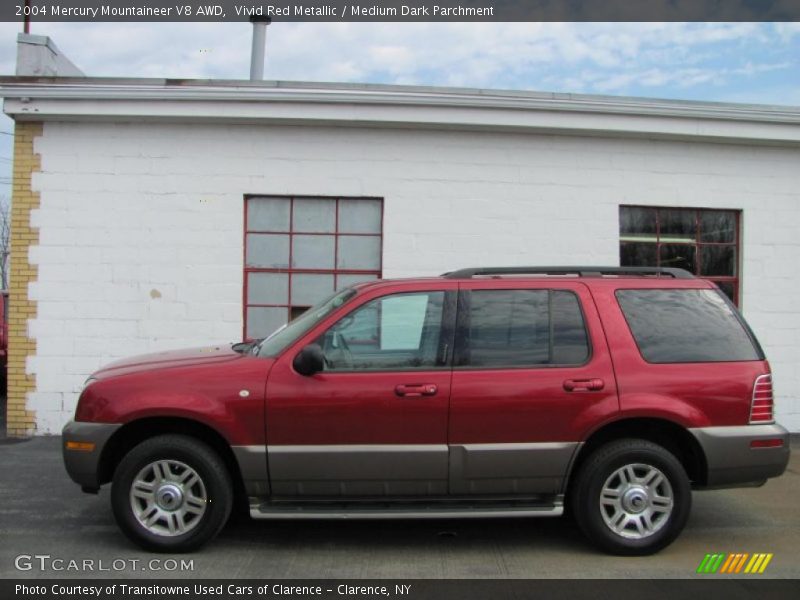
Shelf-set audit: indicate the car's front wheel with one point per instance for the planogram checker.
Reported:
(171, 493)
(631, 497)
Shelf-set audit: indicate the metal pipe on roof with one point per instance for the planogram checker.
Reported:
(26, 28)
(259, 44)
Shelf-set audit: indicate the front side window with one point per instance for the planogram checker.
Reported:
(705, 242)
(275, 343)
(401, 331)
(520, 328)
(685, 326)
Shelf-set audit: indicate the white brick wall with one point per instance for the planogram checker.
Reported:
(132, 211)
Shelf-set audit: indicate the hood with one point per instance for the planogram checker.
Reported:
(205, 355)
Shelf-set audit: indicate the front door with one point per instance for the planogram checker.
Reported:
(374, 421)
(531, 374)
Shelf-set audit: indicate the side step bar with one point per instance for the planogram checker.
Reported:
(359, 511)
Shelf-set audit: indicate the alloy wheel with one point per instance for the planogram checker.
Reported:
(168, 498)
(636, 501)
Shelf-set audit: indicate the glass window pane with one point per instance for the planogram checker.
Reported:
(312, 251)
(634, 254)
(570, 344)
(402, 321)
(261, 321)
(267, 251)
(268, 214)
(672, 326)
(359, 252)
(717, 226)
(307, 290)
(295, 312)
(314, 215)
(342, 281)
(507, 328)
(267, 288)
(637, 223)
(677, 224)
(681, 256)
(728, 288)
(362, 333)
(718, 260)
(304, 323)
(400, 331)
(359, 216)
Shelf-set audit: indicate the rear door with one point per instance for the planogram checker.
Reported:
(531, 376)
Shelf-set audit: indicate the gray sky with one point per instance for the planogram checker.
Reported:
(736, 62)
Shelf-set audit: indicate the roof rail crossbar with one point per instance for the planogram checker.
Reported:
(578, 271)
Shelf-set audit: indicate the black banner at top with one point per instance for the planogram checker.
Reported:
(400, 10)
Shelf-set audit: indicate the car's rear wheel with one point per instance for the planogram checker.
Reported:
(171, 493)
(631, 497)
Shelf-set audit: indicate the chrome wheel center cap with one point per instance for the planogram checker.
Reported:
(635, 500)
(169, 496)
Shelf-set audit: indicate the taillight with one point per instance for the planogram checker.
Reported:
(761, 409)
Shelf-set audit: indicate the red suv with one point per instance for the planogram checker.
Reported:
(509, 392)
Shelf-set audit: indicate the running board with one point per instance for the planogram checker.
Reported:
(399, 510)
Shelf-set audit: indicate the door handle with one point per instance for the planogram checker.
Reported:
(416, 389)
(584, 385)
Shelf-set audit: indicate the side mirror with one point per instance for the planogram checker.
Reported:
(310, 360)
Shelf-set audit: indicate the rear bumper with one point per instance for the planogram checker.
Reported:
(83, 465)
(732, 462)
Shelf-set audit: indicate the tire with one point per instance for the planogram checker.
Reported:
(631, 497)
(171, 493)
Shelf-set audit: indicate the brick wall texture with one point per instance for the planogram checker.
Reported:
(20, 420)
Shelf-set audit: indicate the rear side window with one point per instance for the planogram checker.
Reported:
(519, 328)
(685, 326)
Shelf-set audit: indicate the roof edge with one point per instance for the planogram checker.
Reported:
(380, 105)
(113, 88)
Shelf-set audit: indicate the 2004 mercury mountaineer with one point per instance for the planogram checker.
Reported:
(485, 392)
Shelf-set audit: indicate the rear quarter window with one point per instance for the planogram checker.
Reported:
(686, 326)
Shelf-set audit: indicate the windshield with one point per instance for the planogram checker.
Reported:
(282, 337)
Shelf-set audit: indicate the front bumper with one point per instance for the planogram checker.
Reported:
(732, 462)
(83, 465)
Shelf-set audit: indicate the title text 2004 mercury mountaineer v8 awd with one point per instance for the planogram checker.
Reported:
(485, 392)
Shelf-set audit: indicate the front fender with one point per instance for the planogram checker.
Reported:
(227, 397)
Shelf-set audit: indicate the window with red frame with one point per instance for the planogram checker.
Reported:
(705, 242)
(299, 250)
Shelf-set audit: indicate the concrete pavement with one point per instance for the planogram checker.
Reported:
(43, 513)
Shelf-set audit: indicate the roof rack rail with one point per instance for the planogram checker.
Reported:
(578, 271)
